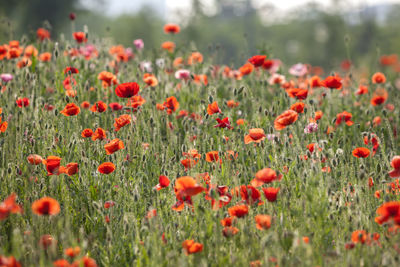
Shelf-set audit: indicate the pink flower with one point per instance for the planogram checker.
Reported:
(298, 69)
(311, 128)
(182, 74)
(139, 44)
(6, 77)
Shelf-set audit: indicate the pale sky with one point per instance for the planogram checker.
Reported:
(167, 7)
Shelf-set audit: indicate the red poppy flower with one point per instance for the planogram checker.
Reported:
(298, 93)
(115, 106)
(298, 107)
(106, 168)
(395, 163)
(80, 37)
(71, 110)
(42, 34)
(333, 82)
(255, 135)
(163, 182)
(71, 70)
(185, 188)
(257, 60)
(238, 211)
(22, 102)
(344, 116)
(171, 28)
(52, 164)
(263, 222)
(224, 123)
(228, 221)
(99, 106)
(191, 247)
(9, 206)
(285, 119)
(212, 156)
(99, 133)
(87, 133)
(271, 193)
(232, 103)
(250, 195)
(359, 236)
(46, 206)
(113, 146)
(379, 97)
(72, 252)
(389, 211)
(264, 176)
(126, 90)
(34, 159)
(122, 120)
(171, 104)
(361, 152)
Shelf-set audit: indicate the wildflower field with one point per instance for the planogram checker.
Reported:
(125, 156)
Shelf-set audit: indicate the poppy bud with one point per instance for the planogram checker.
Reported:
(266, 112)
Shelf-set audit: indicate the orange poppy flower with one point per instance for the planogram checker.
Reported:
(169, 46)
(195, 57)
(389, 211)
(263, 222)
(34, 159)
(9, 206)
(87, 133)
(135, 101)
(298, 93)
(29, 51)
(213, 108)
(285, 119)
(238, 211)
(71, 110)
(72, 252)
(171, 104)
(361, 152)
(99, 106)
(255, 135)
(163, 182)
(395, 163)
(85, 261)
(150, 79)
(46, 206)
(298, 107)
(191, 247)
(229, 231)
(45, 57)
(171, 28)
(315, 81)
(106, 168)
(114, 146)
(185, 188)
(378, 77)
(85, 105)
(362, 90)
(212, 156)
(271, 193)
(359, 236)
(232, 103)
(9, 261)
(107, 78)
(344, 116)
(3, 126)
(42, 34)
(121, 121)
(264, 176)
(240, 122)
(99, 133)
(318, 115)
(246, 69)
